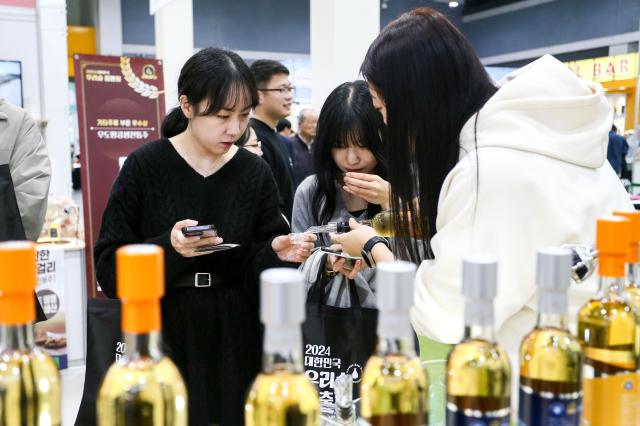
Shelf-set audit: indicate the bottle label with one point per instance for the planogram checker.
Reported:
(466, 418)
(613, 400)
(551, 410)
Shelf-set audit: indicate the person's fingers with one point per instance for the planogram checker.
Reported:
(362, 176)
(306, 246)
(185, 222)
(206, 241)
(338, 265)
(338, 238)
(362, 193)
(336, 247)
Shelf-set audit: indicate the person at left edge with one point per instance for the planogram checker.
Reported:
(196, 175)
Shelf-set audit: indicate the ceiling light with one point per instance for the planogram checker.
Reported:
(454, 4)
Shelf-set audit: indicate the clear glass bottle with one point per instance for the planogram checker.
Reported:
(631, 290)
(478, 369)
(29, 379)
(550, 357)
(395, 387)
(282, 395)
(609, 333)
(143, 387)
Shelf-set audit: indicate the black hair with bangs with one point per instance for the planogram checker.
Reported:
(219, 77)
(347, 117)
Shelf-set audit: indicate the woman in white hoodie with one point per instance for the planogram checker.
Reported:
(483, 169)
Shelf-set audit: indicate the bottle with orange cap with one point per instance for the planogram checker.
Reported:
(608, 331)
(29, 379)
(631, 290)
(143, 387)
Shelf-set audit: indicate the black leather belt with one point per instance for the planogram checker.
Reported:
(199, 280)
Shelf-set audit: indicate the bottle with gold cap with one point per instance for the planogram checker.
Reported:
(478, 369)
(395, 387)
(631, 289)
(143, 387)
(608, 331)
(550, 357)
(29, 379)
(282, 395)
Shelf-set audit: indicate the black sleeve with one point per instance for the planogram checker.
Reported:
(282, 175)
(270, 224)
(121, 225)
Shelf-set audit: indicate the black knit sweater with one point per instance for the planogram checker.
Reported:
(213, 333)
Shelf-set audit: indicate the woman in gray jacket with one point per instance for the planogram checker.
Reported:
(348, 183)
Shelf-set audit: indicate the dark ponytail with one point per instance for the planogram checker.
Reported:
(174, 123)
(219, 77)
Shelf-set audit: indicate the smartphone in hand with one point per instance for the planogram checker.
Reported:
(200, 231)
(349, 262)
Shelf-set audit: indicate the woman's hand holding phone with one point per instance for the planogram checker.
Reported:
(187, 246)
(347, 267)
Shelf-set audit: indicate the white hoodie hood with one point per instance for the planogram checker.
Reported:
(543, 181)
(569, 118)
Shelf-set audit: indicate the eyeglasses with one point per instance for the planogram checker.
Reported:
(253, 145)
(281, 90)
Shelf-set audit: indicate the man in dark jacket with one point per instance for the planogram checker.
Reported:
(275, 94)
(617, 151)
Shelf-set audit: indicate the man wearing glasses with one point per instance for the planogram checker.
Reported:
(275, 94)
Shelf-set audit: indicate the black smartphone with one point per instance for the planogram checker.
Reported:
(200, 231)
(349, 262)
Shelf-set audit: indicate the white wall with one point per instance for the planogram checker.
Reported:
(19, 42)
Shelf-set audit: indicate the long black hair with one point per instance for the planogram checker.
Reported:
(347, 117)
(218, 76)
(431, 82)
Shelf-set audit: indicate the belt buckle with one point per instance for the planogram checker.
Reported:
(197, 279)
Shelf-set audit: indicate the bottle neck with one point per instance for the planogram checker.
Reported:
(479, 332)
(610, 286)
(397, 346)
(16, 337)
(395, 334)
(552, 308)
(633, 274)
(282, 349)
(552, 320)
(143, 345)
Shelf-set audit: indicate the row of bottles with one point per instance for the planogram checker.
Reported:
(589, 379)
(394, 388)
(592, 378)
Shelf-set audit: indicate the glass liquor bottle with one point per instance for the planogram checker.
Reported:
(29, 379)
(550, 357)
(478, 369)
(631, 289)
(143, 387)
(395, 387)
(610, 336)
(282, 395)
(382, 223)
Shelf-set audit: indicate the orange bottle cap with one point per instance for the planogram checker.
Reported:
(140, 274)
(612, 241)
(18, 280)
(634, 217)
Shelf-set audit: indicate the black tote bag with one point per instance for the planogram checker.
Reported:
(11, 227)
(104, 346)
(336, 341)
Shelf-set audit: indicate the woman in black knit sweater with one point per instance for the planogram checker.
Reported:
(195, 175)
